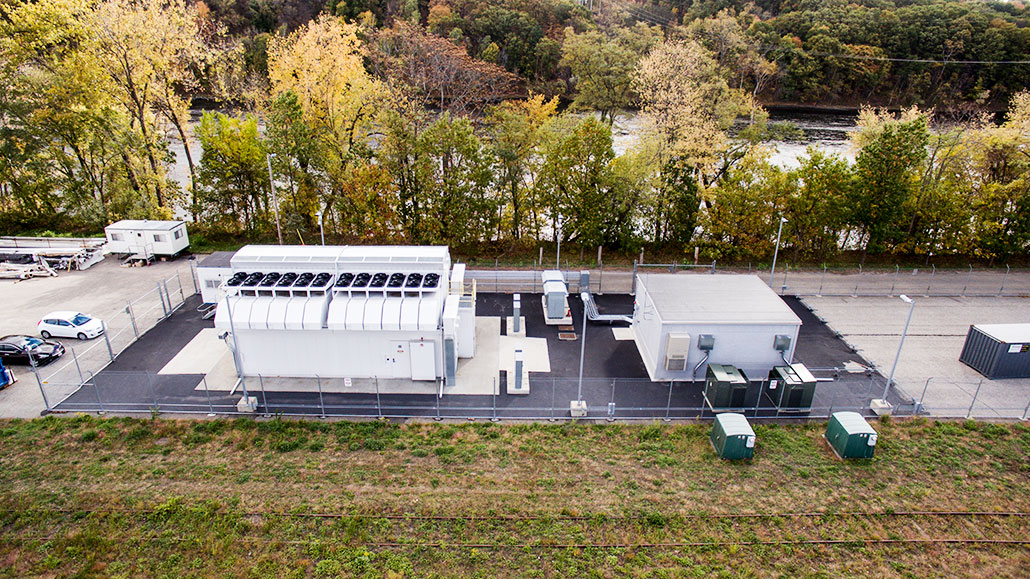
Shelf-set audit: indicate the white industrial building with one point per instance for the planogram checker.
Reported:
(681, 323)
(147, 238)
(391, 312)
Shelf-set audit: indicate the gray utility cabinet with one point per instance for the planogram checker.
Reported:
(725, 386)
(998, 350)
(791, 387)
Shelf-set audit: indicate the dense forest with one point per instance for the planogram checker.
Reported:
(480, 124)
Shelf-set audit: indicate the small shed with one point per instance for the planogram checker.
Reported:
(850, 436)
(682, 322)
(212, 271)
(791, 387)
(147, 238)
(725, 386)
(998, 350)
(732, 436)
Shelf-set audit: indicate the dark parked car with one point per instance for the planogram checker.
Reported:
(18, 350)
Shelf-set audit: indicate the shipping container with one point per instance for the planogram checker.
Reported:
(998, 350)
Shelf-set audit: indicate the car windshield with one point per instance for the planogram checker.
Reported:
(80, 319)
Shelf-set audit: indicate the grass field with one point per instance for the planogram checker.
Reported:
(133, 497)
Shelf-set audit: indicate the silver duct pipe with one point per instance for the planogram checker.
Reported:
(699, 364)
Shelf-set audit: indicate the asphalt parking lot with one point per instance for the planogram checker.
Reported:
(615, 382)
(852, 352)
(105, 291)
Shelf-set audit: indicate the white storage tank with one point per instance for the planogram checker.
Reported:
(683, 322)
(147, 238)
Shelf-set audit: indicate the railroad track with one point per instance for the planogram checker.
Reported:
(566, 531)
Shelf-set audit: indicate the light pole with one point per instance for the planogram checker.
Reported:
(777, 251)
(275, 199)
(582, 353)
(321, 229)
(557, 257)
(911, 307)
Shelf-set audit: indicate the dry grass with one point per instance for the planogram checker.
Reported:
(125, 497)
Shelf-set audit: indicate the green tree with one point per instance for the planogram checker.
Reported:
(578, 181)
(817, 211)
(602, 66)
(233, 175)
(887, 170)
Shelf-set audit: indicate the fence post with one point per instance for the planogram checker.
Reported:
(822, 280)
(264, 397)
(633, 281)
(919, 406)
(321, 402)
(132, 318)
(968, 275)
(168, 296)
(77, 368)
(437, 418)
(600, 279)
(193, 274)
(161, 297)
(1026, 410)
(786, 270)
(182, 294)
(855, 293)
(495, 419)
(1003, 280)
(96, 390)
(210, 408)
(611, 405)
(553, 388)
(153, 392)
(379, 403)
(894, 283)
(107, 340)
(973, 403)
(39, 381)
(933, 271)
(668, 403)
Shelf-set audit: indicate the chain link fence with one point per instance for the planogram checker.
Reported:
(122, 327)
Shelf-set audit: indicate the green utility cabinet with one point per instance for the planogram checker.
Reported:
(732, 437)
(725, 386)
(791, 387)
(850, 436)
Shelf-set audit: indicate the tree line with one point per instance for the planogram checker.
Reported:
(396, 134)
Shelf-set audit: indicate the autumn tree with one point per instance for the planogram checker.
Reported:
(148, 49)
(578, 180)
(886, 172)
(439, 72)
(516, 130)
(232, 178)
(322, 65)
(602, 66)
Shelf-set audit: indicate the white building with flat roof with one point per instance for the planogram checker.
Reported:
(346, 312)
(683, 322)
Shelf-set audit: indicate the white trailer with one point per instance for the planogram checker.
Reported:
(681, 323)
(343, 312)
(147, 239)
(212, 272)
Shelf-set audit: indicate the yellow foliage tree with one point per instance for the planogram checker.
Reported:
(322, 64)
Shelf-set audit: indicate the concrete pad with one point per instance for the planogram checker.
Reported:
(509, 323)
(623, 334)
(479, 375)
(932, 347)
(200, 356)
(535, 358)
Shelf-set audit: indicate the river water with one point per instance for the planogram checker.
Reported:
(827, 132)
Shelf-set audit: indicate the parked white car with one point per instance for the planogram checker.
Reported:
(70, 325)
